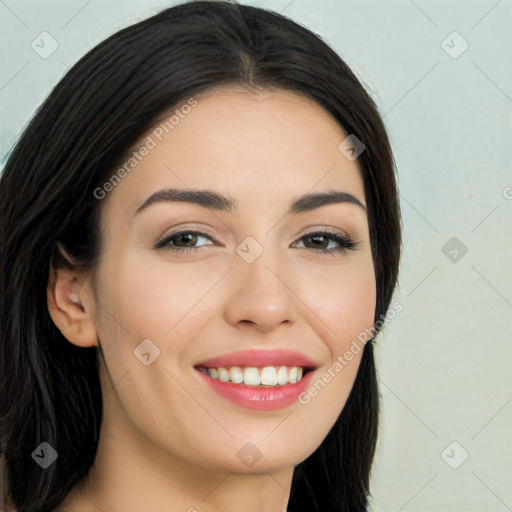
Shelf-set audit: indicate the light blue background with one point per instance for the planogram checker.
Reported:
(445, 359)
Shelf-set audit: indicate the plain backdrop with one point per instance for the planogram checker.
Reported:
(441, 74)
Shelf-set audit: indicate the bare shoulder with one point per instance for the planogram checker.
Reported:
(75, 502)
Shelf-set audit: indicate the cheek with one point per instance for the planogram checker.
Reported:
(356, 310)
(153, 296)
(140, 300)
(346, 304)
(344, 299)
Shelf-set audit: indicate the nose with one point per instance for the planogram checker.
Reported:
(261, 294)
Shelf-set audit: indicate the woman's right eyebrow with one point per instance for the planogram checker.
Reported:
(226, 203)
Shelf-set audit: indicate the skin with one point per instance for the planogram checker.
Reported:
(168, 442)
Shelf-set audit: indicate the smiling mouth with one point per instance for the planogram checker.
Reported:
(263, 377)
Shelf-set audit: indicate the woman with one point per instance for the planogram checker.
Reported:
(200, 238)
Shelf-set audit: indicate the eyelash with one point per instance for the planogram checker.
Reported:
(344, 242)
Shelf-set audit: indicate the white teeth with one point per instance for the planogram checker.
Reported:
(253, 376)
(282, 377)
(269, 376)
(236, 375)
(223, 374)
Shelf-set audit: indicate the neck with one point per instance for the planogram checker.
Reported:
(131, 475)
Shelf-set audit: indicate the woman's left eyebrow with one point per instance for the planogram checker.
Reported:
(226, 203)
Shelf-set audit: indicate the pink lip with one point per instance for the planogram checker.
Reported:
(259, 358)
(259, 398)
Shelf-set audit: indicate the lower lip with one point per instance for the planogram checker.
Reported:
(262, 399)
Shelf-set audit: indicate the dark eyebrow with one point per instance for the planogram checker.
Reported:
(226, 203)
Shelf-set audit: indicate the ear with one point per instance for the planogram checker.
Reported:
(70, 305)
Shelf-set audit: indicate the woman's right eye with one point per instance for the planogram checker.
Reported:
(173, 240)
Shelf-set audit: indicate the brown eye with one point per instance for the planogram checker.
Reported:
(321, 238)
(182, 240)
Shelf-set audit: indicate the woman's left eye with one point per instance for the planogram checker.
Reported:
(340, 241)
(343, 243)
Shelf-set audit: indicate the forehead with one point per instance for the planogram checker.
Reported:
(264, 145)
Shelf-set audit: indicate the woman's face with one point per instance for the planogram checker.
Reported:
(247, 285)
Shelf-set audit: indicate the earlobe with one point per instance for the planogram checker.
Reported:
(70, 313)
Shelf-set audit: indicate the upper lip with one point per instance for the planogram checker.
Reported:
(259, 358)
